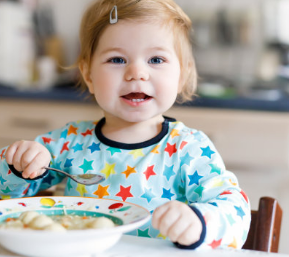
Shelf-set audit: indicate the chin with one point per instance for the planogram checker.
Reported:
(135, 118)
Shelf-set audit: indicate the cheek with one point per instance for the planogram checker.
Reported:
(171, 83)
(102, 83)
(168, 90)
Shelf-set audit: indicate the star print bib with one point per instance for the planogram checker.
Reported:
(178, 164)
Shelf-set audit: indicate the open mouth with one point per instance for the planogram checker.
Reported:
(136, 97)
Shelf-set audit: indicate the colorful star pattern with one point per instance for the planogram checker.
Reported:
(194, 179)
(161, 236)
(101, 191)
(149, 172)
(183, 144)
(2, 180)
(77, 147)
(65, 147)
(87, 132)
(81, 189)
(245, 196)
(200, 190)
(68, 163)
(2, 154)
(137, 153)
(156, 150)
(167, 194)
(215, 168)
(108, 170)
(207, 152)
(169, 172)
(46, 140)
(215, 243)
(72, 130)
(174, 133)
(64, 134)
(143, 233)
(6, 190)
(69, 184)
(94, 147)
(113, 150)
(230, 219)
(129, 171)
(148, 195)
(186, 159)
(183, 166)
(124, 192)
(240, 211)
(86, 166)
(217, 183)
(234, 244)
(171, 149)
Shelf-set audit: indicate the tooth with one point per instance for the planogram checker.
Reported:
(137, 100)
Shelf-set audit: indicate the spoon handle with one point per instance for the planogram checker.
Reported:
(61, 171)
(85, 179)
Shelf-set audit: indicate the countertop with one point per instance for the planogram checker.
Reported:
(69, 92)
(132, 246)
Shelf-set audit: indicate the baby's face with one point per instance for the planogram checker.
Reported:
(135, 71)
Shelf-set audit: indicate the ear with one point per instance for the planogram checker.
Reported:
(85, 72)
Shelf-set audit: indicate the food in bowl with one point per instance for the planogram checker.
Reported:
(42, 243)
(37, 221)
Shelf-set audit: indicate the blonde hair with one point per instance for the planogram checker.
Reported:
(167, 12)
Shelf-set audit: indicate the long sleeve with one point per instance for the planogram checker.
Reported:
(215, 192)
(12, 186)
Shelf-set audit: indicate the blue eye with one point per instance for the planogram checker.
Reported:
(156, 60)
(117, 60)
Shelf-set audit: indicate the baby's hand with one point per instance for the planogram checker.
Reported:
(177, 221)
(28, 157)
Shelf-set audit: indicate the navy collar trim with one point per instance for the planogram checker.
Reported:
(115, 144)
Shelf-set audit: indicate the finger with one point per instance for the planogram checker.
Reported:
(157, 214)
(33, 175)
(177, 229)
(190, 236)
(16, 162)
(35, 167)
(10, 152)
(28, 157)
(167, 220)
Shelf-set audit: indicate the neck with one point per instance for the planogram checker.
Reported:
(131, 132)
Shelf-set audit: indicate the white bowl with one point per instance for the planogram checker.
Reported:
(73, 242)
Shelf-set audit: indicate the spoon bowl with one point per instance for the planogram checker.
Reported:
(85, 179)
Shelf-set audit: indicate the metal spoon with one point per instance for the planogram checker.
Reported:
(85, 179)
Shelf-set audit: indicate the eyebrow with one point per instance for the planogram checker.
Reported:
(118, 49)
(112, 49)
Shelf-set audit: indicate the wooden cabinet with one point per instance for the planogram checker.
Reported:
(27, 119)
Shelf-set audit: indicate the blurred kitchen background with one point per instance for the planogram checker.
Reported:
(241, 47)
(242, 54)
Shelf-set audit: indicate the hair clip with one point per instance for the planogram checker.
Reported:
(113, 18)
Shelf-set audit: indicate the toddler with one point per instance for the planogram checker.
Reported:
(136, 59)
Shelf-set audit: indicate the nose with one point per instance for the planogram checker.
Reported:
(136, 71)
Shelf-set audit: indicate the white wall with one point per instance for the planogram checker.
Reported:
(67, 18)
